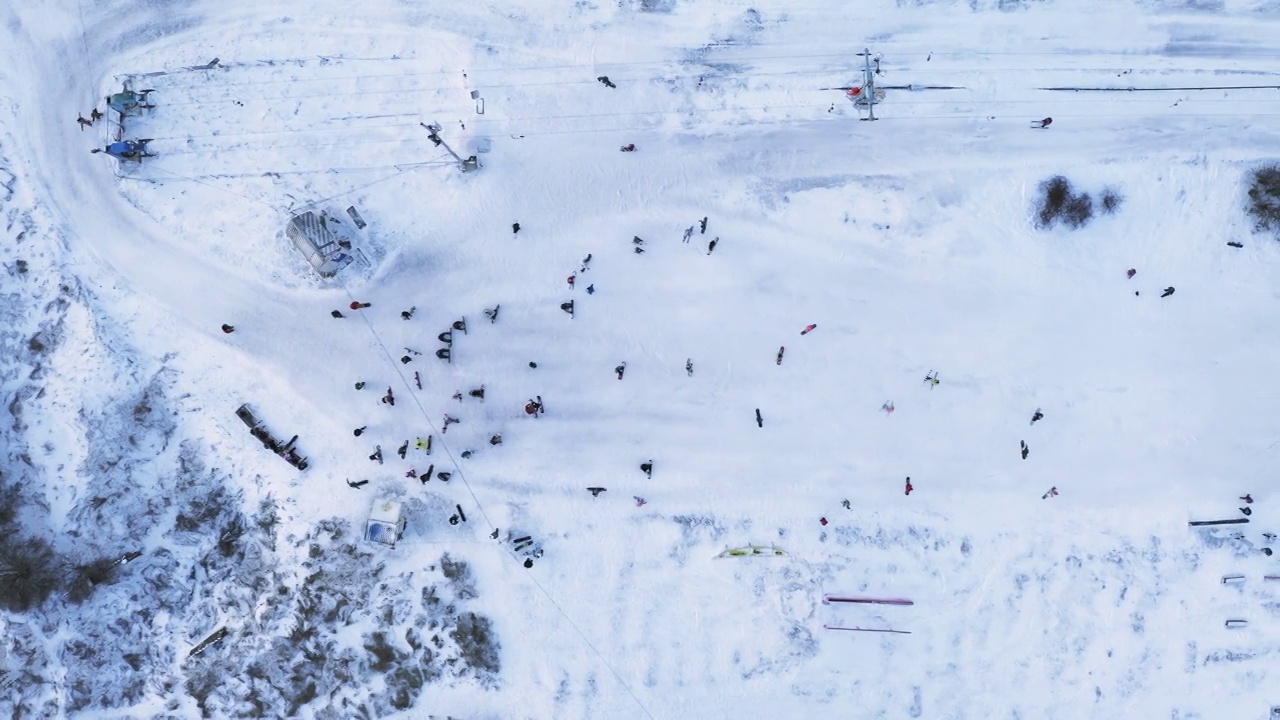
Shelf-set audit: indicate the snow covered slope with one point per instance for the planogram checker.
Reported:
(911, 242)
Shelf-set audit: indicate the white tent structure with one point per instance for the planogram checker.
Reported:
(311, 234)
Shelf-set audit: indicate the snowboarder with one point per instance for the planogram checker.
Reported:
(647, 469)
(688, 366)
(1053, 492)
(405, 359)
(531, 408)
(95, 116)
(780, 351)
(477, 393)
(809, 328)
(495, 440)
(357, 305)
(407, 314)
(932, 379)
(425, 477)
(1130, 273)
(389, 398)
(640, 502)
(759, 419)
(377, 454)
(704, 226)
(337, 314)
(359, 431)
(84, 123)
(403, 450)
(1037, 416)
(629, 147)
(909, 488)
(228, 329)
(1042, 123)
(1167, 292)
(360, 385)
(423, 444)
(711, 247)
(1025, 450)
(448, 420)
(567, 307)
(515, 228)
(887, 408)
(604, 80)
(595, 491)
(688, 233)
(1248, 499)
(443, 476)
(492, 314)
(591, 289)
(620, 370)
(357, 485)
(637, 240)
(639, 250)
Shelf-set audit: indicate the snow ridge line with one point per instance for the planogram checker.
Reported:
(462, 475)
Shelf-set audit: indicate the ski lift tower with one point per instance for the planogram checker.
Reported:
(868, 94)
(467, 165)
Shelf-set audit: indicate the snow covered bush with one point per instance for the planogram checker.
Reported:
(1264, 197)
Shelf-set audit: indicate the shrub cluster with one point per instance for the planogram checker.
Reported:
(1060, 203)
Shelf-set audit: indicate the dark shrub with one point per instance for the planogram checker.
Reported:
(1264, 197)
(28, 573)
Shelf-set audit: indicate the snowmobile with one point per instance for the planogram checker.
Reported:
(128, 150)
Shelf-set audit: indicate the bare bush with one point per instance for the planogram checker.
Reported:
(28, 573)
(1264, 197)
(1060, 203)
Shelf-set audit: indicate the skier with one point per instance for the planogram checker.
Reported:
(1025, 450)
(647, 468)
(84, 123)
(357, 485)
(591, 289)
(448, 420)
(1247, 511)
(620, 370)
(809, 328)
(1248, 499)
(515, 228)
(1053, 492)
(95, 116)
(909, 488)
(406, 314)
(1042, 123)
(389, 398)
(1167, 292)
(1130, 273)
(932, 379)
(570, 280)
(688, 366)
(357, 305)
(377, 454)
(1037, 416)
(640, 502)
(359, 431)
(629, 147)
(604, 80)
(704, 226)
(492, 314)
(688, 233)
(337, 314)
(887, 408)
(759, 419)
(595, 491)
(403, 450)
(228, 329)
(360, 385)
(711, 248)
(780, 351)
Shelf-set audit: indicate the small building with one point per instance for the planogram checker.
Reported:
(311, 234)
(386, 523)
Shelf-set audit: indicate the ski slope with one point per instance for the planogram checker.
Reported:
(910, 242)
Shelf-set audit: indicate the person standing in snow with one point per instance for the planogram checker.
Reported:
(570, 280)
(359, 431)
(1037, 416)
(515, 228)
(909, 488)
(711, 248)
(620, 370)
(647, 469)
(95, 116)
(1025, 450)
(389, 398)
(704, 226)
(688, 366)
(591, 289)
(759, 419)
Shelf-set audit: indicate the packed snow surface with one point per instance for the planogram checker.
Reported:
(912, 243)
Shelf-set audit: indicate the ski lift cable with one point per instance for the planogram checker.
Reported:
(458, 471)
